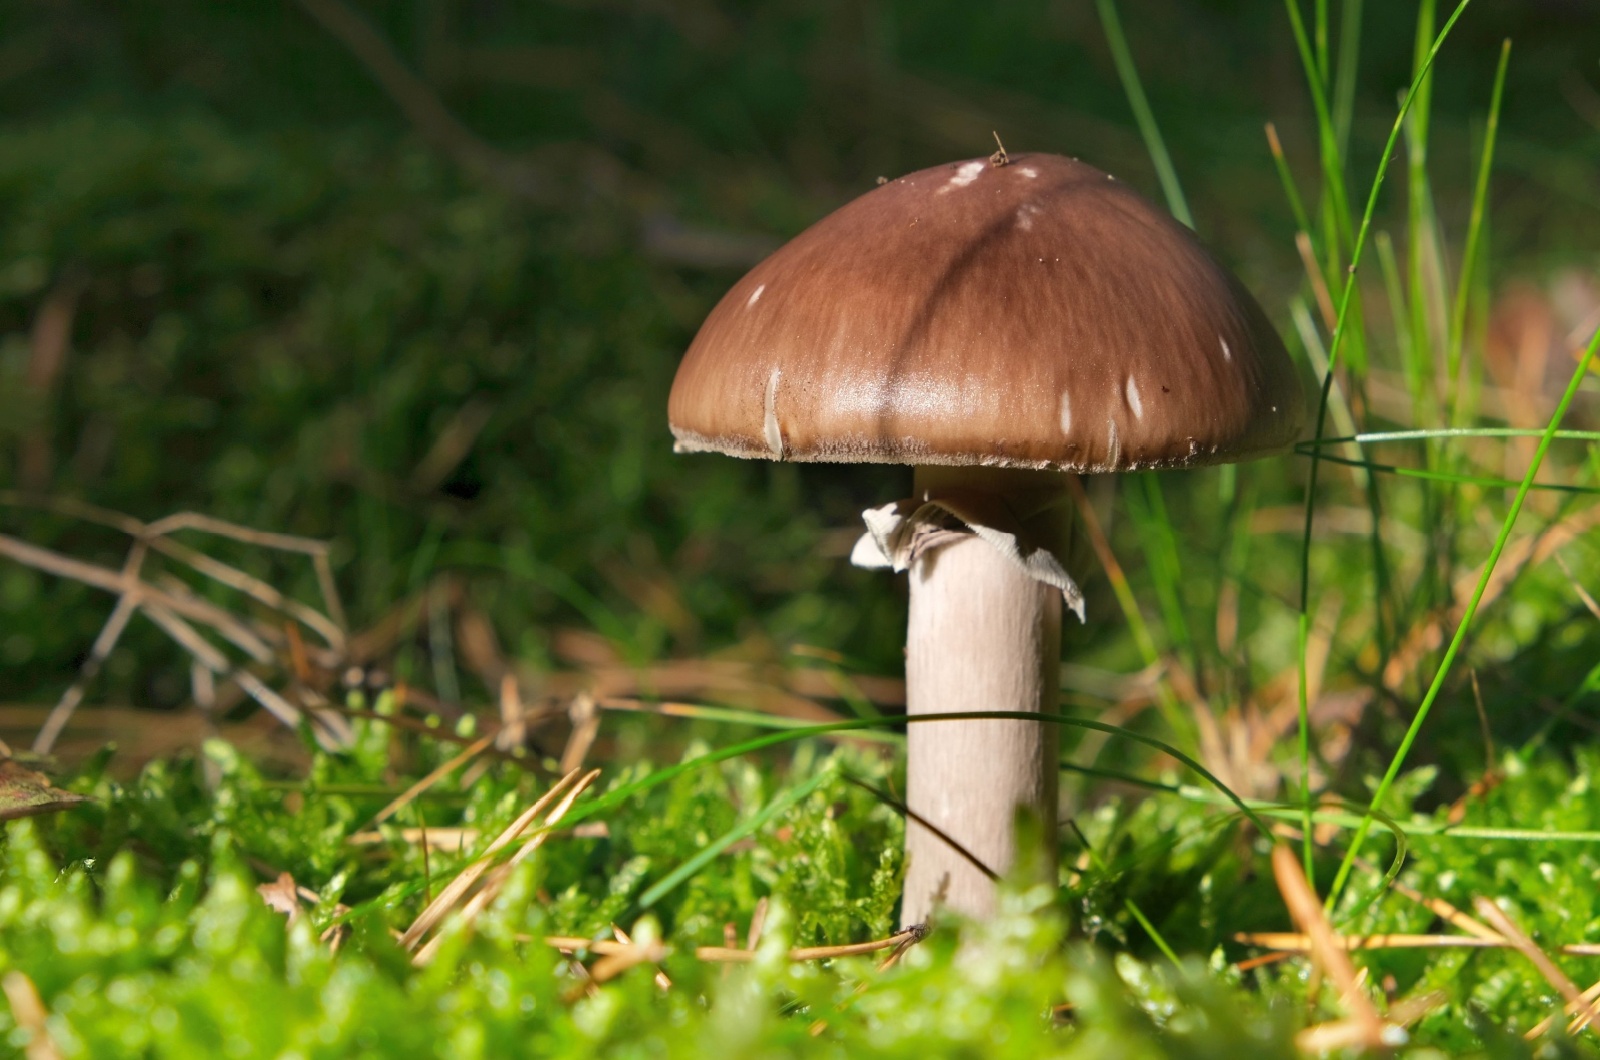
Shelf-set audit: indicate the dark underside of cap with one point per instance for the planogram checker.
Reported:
(1033, 314)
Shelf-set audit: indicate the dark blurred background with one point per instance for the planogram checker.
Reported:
(414, 276)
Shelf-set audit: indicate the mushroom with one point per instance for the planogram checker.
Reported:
(993, 323)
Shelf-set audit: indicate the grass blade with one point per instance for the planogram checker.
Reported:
(661, 776)
(1332, 165)
(1578, 376)
(1344, 83)
(1454, 478)
(1143, 498)
(1129, 73)
(1469, 255)
(1335, 346)
(780, 804)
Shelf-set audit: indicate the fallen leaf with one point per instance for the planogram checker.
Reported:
(282, 894)
(27, 793)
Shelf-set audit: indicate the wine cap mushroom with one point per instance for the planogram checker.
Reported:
(992, 322)
(1037, 314)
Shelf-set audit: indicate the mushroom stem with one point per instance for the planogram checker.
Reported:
(982, 635)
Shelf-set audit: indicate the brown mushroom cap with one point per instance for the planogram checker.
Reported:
(1033, 314)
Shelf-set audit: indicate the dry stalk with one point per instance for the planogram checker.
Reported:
(1519, 941)
(444, 769)
(1336, 1035)
(176, 609)
(912, 935)
(1437, 906)
(28, 1010)
(1306, 911)
(568, 788)
(758, 921)
(436, 910)
(622, 936)
(816, 953)
(513, 715)
(1590, 1009)
(1428, 634)
(157, 536)
(106, 640)
(898, 942)
(627, 956)
(1319, 284)
(585, 719)
(1577, 587)
(1408, 1010)
(1583, 1012)
(1289, 942)
(456, 839)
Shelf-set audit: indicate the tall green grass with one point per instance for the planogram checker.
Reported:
(1434, 347)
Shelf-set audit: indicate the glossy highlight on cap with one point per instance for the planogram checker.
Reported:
(1035, 314)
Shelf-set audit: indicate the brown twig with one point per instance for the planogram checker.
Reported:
(912, 935)
(1491, 777)
(1445, 911)
(103, 645)
(1583, 1011)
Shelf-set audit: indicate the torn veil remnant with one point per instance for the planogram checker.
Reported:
(993, 323)
(898, 534)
